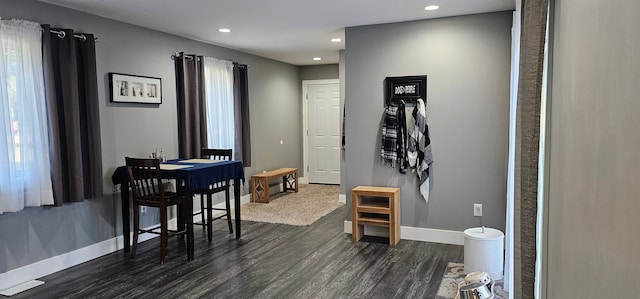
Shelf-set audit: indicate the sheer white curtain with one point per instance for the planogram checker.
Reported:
(25, 176)
(515, 62)
(218, 77)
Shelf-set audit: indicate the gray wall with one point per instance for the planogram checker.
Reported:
(319, 72)
(467, 61)
(593, 201)
(135, 130)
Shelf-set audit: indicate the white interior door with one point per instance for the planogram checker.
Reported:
(324, 136)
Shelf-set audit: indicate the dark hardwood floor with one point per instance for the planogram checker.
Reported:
(269, 261)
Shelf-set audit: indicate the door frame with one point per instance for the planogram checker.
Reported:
(305, 124)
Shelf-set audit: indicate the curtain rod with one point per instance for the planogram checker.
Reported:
(190, 56)
(178, 54)
(62, 34)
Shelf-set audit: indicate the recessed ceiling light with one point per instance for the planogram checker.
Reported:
(224, 30)
(336, 40)
(317, 58)
(431, 7)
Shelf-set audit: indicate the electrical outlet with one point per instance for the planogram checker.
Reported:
(477, 209)
(143, 209)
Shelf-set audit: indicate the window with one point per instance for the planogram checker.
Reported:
(218, 77)
(24, 155)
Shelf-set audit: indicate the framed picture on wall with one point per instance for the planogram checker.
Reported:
(407, 88)
(127, 88)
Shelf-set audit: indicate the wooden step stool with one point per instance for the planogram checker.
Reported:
(373, 212)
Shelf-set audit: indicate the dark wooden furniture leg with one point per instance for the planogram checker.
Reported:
(126, 225)
(236, 199)
(136, 225)
(189, 219)
(202, 207)
(228, 206)
(181, 210)
(185, 217)
(209, 223)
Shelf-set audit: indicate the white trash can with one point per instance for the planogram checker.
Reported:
(484, 251)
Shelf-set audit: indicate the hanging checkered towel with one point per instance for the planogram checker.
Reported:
(401, 148)
(419, 151)
(394, 141)
(388, 153)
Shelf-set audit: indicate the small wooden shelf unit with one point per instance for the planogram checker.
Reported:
(368, 209)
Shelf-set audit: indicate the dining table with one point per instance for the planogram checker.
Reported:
(190, 176)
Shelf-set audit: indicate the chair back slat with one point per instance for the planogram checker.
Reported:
(145, 178)
(216, 154)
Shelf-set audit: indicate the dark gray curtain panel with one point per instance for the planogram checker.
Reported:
(192, 120)
(533, 39)
(241, 109)
(71, 90)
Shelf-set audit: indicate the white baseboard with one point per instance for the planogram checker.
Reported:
(245, 199)
(173, 224)
(57, 263)
(413, 233)
(63, 261)
(21, 288)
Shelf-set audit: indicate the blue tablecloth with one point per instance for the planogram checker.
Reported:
(198, 175)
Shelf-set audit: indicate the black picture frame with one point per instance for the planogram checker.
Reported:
(407, 88)
(126, 88)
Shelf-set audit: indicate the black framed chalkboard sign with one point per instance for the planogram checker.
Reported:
(407, 88)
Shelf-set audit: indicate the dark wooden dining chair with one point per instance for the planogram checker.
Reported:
(207, 222)
(148, 190)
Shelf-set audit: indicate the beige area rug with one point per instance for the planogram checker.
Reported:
(310, 203)
(454, 275)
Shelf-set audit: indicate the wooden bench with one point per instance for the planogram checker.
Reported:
(260, 183)
(367, 211)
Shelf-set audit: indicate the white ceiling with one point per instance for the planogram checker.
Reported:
(292, 31)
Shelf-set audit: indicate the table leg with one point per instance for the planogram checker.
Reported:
(186, 216)
(126, 225)
(209, 223)
(236, 202)
(180, 189)
(189, 219)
